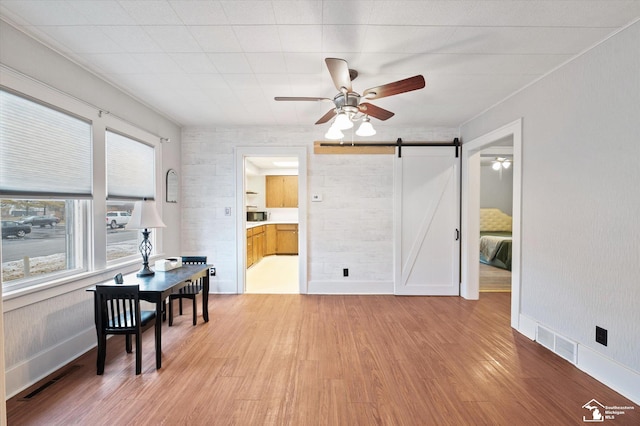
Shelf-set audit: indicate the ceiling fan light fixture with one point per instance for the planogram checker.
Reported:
(342, 121)
(366, 128)
(506, 164)
(334, 133)
(496, 165)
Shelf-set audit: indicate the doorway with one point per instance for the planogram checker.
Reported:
(496, 211)
(470, 287)
(271, 273)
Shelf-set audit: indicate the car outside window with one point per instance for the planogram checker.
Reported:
(38, 239)
(121, 242)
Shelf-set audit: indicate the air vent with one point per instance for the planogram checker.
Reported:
(557, 343)
(48, 383)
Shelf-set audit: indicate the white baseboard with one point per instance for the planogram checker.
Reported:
(19, 377)
(607, 371)
(527, 326)
(618, 377)
(350, 287)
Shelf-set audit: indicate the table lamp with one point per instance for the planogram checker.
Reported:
(145, 216)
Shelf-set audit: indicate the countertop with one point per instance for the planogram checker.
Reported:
(269, 222)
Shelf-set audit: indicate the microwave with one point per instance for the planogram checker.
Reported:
(256, 216)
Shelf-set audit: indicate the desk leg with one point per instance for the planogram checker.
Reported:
(158, 334)
(205, 298)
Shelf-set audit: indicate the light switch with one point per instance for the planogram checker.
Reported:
(316, 197)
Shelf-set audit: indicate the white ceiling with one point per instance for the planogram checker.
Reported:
(204, 62)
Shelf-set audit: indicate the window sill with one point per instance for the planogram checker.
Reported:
(37, 293)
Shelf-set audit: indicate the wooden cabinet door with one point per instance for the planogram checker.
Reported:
(275, 191)
(249, 250)
(290, 192)
(271, 240)
(287, 239)
(282, 191)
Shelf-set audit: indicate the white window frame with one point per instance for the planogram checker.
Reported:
(94, 237)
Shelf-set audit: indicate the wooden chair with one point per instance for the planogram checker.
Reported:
(119, 313)
(190, 291)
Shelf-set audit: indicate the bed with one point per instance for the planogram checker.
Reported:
(495, 238)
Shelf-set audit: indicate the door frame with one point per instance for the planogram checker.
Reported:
(241, 223)
(470, 278)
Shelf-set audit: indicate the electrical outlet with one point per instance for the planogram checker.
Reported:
(212, 272)
(227, 211)
(601, 335)
(345, 272)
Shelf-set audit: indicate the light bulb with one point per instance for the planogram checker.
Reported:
(495, 165)
(506, 164)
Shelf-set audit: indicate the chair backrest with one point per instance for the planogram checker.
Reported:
(119, 308)
(194, 260)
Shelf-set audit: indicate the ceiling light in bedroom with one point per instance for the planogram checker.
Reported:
(501, 163)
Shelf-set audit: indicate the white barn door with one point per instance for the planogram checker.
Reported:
(427, 212)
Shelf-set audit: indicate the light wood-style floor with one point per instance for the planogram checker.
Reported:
(494, 279)
(327, 360)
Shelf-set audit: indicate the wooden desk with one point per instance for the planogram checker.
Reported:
(156, 288)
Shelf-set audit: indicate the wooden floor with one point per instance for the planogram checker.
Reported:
(494, 279)
(327, 360)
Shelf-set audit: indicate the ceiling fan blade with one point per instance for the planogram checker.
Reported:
(300, 98)
(401, 86)
(375, 111)
(328, 116)
(339, 70)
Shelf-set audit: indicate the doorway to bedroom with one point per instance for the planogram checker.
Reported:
(471, 170)
(496, 212)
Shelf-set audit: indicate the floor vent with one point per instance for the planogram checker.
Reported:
(48, 383)
(557, 344)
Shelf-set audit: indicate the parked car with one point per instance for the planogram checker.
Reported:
(41, 221)
(13, 228)
(117, 219)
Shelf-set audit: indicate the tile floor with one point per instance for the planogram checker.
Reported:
(273, 275)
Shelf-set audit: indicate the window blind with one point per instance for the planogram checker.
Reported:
(130, 168)
(43, 151)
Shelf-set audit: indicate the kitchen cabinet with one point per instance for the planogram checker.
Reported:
(271, 240)
(249, 247)
(258, 243)
(267, 240)
(282, 191)
(287, 239)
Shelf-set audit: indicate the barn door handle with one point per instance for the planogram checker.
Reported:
(457, 234)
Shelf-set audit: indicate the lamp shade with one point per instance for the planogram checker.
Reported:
(144, 216)
(334, 133)
(342, 121)
(366, 128)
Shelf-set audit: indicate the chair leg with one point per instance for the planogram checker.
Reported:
(180, 305)
(170, 312)
(127, 343)
(139, 352)
(195, 311)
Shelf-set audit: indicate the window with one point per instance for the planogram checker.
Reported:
(130, 177)
(43, 201)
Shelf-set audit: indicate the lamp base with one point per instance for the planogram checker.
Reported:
(145, 272)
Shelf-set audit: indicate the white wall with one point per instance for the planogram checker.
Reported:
(496, 190)
(47, 329)
(351, 228)
(580, 231)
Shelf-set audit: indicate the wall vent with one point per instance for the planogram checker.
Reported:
(557, 343)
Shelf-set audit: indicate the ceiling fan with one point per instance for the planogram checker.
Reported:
(347, 105)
